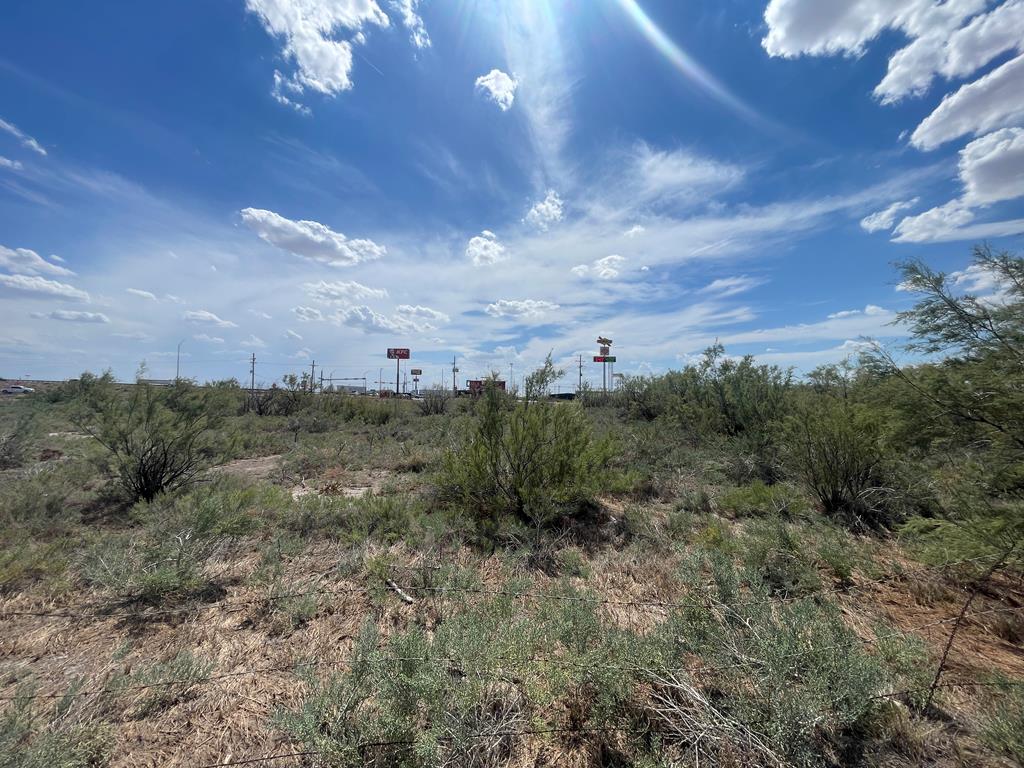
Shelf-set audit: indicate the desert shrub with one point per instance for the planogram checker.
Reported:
(776, 558)
(790, 681)
(386, 519)
(459, 695)
(1003, 724)
(169, 556)
(758, 500)
(49, 738)
(38, 502)
(720, 399)
(834, 447)
(14, 443)
(157, 439)
(158, 686)
(434, 401)
(532, 459)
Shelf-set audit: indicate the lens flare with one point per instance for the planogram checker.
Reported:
(685, 63)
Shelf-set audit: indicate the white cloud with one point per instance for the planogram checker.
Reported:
(290, 334)
(485, 249)
(13, 165)
(420, 318)
(309, 30)
(937, 52)
(992, 167)
(546, 212)
(935, 224)
(260, 314)
(254, 342)
(308, 314)
(604, 268)
(526, 309)
(886, 218)
(870, 310)
(26, 140)
(70, 316)
(406, 319)
(40, 286)
(141, 293)
(23, 261)
(991, 170)
(365, 319)
(204, 317)
(731, 286)
(977, 280)
(407, 9)
(498, 87)
(310, 239)
(208, 339)
(635, 230)
(828, 27)
(993, 101)
(342, 292)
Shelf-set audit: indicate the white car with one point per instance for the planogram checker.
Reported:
(17, 389)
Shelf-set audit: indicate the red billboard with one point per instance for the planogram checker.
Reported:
(398, 353)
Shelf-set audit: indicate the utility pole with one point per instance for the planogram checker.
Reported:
(580, 387)
(322, 379)
(252, 375)
(380, 380)
(455, 370)
(312, 376)
(511, 378)
(177, 362)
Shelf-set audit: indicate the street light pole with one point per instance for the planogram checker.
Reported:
(177, 362)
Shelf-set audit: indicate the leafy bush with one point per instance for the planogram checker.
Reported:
(158, 439)
(532, 459)
(835, 448)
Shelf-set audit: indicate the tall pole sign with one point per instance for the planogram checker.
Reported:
(605, 347)
(398, 354)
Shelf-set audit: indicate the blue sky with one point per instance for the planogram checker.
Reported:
(491, 179)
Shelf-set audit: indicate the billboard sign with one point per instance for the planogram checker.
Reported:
(604, 358)
(599, 358)
(398, 353)
(416, 371)
(606, 350)
(604, 341)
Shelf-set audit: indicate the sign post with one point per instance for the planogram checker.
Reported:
(398, 354)
(605, 346)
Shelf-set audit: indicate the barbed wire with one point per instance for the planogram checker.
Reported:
(516, 594)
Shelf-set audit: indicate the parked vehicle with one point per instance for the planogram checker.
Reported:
(17, 389)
